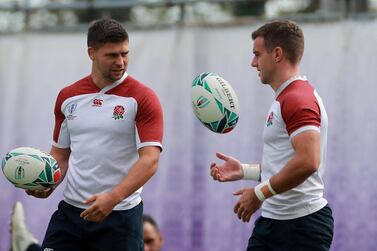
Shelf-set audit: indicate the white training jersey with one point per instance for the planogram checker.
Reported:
(296, 108)
(104, 128)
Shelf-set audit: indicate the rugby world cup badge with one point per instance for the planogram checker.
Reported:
(71, 110)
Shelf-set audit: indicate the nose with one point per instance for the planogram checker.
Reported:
(119, 60)
(254, 62)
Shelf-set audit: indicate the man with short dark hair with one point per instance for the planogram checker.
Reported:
(107, 140)
(295, 215)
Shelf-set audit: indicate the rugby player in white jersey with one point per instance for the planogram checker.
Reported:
(107, 141)
(295, 215)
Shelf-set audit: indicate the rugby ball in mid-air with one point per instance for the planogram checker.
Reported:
(30, 168)
(214, 102)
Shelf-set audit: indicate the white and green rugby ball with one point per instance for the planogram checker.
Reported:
(30, 168)
(214, 102)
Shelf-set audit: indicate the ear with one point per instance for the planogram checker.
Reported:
(277, 54)
(91, 53)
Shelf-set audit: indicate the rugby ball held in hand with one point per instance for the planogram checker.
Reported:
(214, 102)
(30, 168)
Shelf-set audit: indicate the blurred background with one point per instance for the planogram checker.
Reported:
(43, 48)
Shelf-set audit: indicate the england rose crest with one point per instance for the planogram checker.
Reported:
(118, 112)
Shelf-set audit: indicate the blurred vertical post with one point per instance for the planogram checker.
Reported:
(27, 15)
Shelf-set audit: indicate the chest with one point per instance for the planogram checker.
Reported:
(274, 127)
(100, 114)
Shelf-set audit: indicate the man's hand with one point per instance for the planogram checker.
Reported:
(230, 170)
(101, 206)
(40, 193)
(247, 204)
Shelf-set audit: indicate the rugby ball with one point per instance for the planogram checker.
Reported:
(214, 102)
(30, 168)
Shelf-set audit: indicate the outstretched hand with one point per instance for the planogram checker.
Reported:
(230, 170)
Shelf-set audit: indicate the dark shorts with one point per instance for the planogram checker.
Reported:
(313, 232)
(120, 231)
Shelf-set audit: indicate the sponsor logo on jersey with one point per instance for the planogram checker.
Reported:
(97, 102)
(269, 119)
(118, 112)
(48, 249)
(71, 110)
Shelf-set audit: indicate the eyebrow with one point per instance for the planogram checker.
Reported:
(117, 53)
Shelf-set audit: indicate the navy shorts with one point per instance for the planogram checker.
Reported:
(313, 232)
(120, 231)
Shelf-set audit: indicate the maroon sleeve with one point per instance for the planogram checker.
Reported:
(299, 107)
(149, 117)
(59, 116)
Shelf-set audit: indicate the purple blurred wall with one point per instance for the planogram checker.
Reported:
(194, 212)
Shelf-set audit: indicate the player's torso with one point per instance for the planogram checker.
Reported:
(100, 118)
(284, 122)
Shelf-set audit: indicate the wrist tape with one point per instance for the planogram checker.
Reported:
(264, 190)
(251, 172)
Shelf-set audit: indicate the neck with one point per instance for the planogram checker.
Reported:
(283, 75)
(98, 80)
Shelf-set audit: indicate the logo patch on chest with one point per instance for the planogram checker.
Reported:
(118, 112)
(269, 119)
(97, 102)
(71, 110)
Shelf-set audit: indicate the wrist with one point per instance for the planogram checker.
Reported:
(251, 171)
(117, 196)
(264, 190)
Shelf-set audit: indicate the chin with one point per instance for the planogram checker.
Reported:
(116, 77)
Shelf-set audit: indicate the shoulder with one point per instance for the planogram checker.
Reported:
(299, 92)
(82, 86)
(299, 106)
(299, 96)
(138, 89)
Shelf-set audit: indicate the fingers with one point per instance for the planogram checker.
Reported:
(239, 192)
(213, 169)
(242, 213)
(90, 200)
(222, 156)
(92, 214)
(86, 212)
(247, 217)
(236, 207)
(215, 173)
(39, 193)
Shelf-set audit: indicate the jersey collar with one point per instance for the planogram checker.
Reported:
(288, 82)
(116, 83)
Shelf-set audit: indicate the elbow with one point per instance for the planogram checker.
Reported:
(312, 165)
(153, 165)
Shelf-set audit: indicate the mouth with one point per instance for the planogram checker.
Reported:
(118, 71)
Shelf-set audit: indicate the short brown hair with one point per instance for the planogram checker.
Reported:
(105, 31)
(285, 34)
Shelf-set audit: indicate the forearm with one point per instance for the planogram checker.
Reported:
(138, 175)
(304, 163)
(295, 172)
(62, 157)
